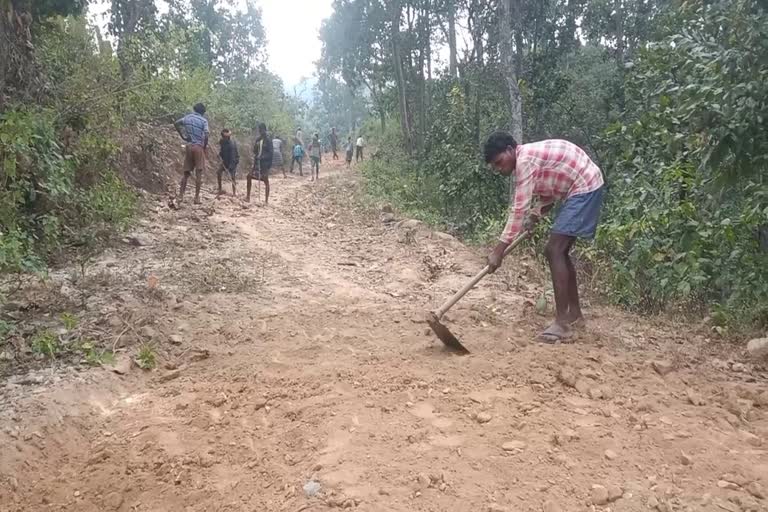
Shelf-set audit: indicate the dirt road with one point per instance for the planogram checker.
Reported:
(295, 373)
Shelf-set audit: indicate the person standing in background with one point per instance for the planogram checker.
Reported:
(193, 128)
(349, 148)
(316, 156)
(262, 162)
(359, 147)
(298, 156)
(300, 137)
(334, 144)
(277, 154)
(230, 157)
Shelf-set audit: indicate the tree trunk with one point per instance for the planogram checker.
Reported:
(619, 8)
(397, 62)
(453, 60)
(506, 49)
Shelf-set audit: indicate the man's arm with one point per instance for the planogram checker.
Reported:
(179, 125)
(518, 210)
(206, 133)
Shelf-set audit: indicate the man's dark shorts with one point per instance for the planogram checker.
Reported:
(580, 215)
(194, 158)
(232, 172)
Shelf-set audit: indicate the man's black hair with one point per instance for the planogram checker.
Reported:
(263, 128)
(497, 143)
(199, 108)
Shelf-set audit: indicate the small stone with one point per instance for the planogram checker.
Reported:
(123, 364)
(599, 495)
(583, 386)
(483, 417)
(495, 507)
(595, 393)
(736, 478)
(756, 489)
(685, 459)
(694, 398)
(513, 446)
(653, 503)
(387, 208)
(570, 434)
(169, 376)
(148, 332)
(610, 455)
(614, 493)
(113, 500)
(663, 367)
(550, 506)
(176, 339)
(311, 488)
(387, 218)
(758, 348)
(724, 484)
(77, 494)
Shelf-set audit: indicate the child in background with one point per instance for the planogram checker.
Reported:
(349, 148)
(298, 155)
(316, 155)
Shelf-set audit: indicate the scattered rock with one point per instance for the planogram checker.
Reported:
(583, 386)
(724, 484)
(513, 446)
(176, 339)
(550, 506)
(599, 495)
(169, 376)
(495, 507)
(663, 366)
(113, 501)
(570, 434)
(735, 478)
(148, 332)
(595, 393)
(614, 493)
(387, 218)
(483, 417)
(758, 348)
(756, 489)
(311, 488)
(685, 459)
(259, 403)
(123, 364)
(611, 455)
(653, 503)
(387, 208)
(567, 376)
(694, 398)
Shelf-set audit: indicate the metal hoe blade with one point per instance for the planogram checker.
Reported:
(450, 341)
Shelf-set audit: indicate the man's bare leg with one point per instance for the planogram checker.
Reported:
(198, 184)
(218, 179)
(234, 186)
(183, 186)
(575, 314)
(266, 190)
(556, 252)
(248, 182)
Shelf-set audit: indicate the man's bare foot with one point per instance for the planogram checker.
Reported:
(247, 199)
(555, 334)
(578, 322)
(197, 200)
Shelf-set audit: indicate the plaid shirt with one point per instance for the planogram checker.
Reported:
(196, 128)
(549, 170)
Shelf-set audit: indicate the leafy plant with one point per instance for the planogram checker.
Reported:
(69, 320)
(146, 358)
(96, 356)
(46, 343)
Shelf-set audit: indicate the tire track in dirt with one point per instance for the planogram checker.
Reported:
(305, 358)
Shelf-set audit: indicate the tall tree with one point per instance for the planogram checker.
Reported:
(507, 19)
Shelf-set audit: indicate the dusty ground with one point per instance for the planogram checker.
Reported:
(291, 349)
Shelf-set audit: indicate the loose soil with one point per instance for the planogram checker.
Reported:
(292, 351)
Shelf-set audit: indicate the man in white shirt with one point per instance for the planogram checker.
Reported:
(359, 148)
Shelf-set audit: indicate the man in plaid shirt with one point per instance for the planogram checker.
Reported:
(549, 171)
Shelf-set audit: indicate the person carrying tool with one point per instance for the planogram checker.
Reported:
(262, 162)
(550, 170)
(193, 128)
(230, 157)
